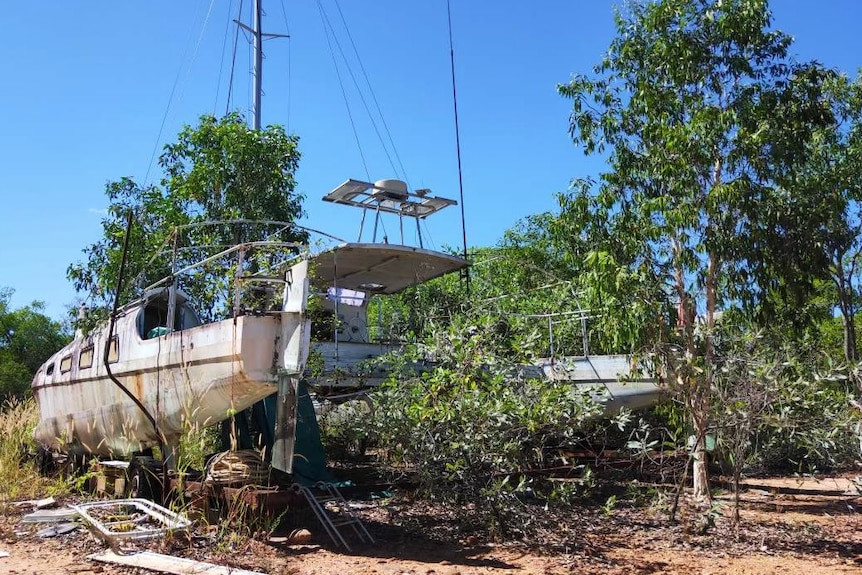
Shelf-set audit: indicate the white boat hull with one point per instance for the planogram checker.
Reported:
(616, 382)
(186, 379)
(349, 365)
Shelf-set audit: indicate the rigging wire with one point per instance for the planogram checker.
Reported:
(200, 37)
(170, 103)
(289, 80)
(373, 94)
(233, 61)
(250, 85)
(223, 51)
(458, 145)
(326, 31)
(428, 238)
(328, 24)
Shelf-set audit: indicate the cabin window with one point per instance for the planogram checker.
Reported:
(50, 369)
(66, 364)
(348, 296)
(114, 350)
(85, 360)
(153, 319)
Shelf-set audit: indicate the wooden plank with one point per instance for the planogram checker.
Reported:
(168, 564)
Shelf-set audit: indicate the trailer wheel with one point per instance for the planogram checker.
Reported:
(45, 464)
(144, 479)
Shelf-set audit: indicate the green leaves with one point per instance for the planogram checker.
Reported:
(27, 339)
(217, 170)
(779, 406)
(223, 169)
(704, 118)
(472, 427)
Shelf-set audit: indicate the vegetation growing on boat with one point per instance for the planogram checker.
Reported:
(473, 430)
(218, 170)
(717, 246)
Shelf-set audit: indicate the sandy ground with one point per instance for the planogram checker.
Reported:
(787, 527)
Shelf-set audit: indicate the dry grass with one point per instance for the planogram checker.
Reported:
(19, 478)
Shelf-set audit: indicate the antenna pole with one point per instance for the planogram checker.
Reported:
(458, 145)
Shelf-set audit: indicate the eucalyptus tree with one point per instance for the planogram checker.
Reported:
(217, 170)
(832, 173)
(699, 110)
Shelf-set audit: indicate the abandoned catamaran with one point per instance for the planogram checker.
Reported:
(164, 362)
(164, 372)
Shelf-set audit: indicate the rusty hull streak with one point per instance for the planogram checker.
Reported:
(139, 386)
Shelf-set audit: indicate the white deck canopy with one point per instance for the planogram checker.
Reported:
(380, 268)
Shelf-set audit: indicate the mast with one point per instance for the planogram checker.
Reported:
(257, 41)
(257, 38)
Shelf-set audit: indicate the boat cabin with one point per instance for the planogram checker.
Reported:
(348, 276)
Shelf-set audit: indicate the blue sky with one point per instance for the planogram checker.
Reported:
(86, 86)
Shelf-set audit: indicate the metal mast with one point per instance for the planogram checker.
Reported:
(257, 38)
(257, 41)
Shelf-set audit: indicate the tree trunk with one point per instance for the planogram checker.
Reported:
(845, 305)
(850, 353)
(703, 388)
(849, 319)
(700, 457)
(699, 472)
(843, 280)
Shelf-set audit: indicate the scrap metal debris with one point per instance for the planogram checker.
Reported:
(59, 529)
(38, 503)
(61, 515)
(130, 519)
(168, 564)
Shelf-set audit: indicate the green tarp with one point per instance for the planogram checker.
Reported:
(309, 459)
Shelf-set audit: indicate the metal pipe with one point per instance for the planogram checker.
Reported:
(221, 255)
(584, 336)
(419, 233)
(106, 355)
(376, 221)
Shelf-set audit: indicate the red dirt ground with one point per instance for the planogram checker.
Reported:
(787, 527)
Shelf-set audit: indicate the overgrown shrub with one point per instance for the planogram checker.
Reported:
(472, 428)
(782, 408)
(346, 429)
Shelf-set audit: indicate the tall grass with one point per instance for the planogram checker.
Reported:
(19, 478)
(196, 445)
